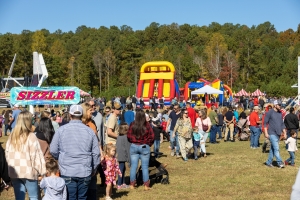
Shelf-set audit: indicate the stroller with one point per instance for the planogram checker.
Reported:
(156, 172)
(243, 130)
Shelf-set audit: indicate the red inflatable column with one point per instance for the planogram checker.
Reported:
(172, 89)
(160, 87)
(140, 89)
(151, 88)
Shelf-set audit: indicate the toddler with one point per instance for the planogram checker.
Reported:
(110, 168)
(55, 187)
(291, 142)
(123, 155)
(157, 130)
(196, 141)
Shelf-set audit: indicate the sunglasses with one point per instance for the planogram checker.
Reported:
(93, 105)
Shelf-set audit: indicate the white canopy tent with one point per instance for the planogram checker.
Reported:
(207, 90)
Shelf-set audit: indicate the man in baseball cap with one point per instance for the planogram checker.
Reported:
(75, 145)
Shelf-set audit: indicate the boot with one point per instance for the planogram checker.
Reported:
(132, 184)
(147, 186)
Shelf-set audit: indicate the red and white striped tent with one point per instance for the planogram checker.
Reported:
(257, 93)
(241, 93)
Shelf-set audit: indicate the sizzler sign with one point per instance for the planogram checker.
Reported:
(46, 95)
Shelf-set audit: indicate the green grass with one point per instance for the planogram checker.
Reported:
(230, 171)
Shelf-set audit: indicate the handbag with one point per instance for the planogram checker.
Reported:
(204, 127)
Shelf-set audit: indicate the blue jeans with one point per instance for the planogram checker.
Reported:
(142, 106)
(196, 145)
(288, 134)
(156, 147)
(254, 139)
(123, 106)
(92, 191)
(121, 180)
(7, 127)
(291, 158)
(213, 134)
(22, 184)
(219, 130)
(274, 150)
(172, 140)
(139, 152)
(77, 187)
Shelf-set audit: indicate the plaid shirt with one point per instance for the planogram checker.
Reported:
(27, 163)
(147, 138)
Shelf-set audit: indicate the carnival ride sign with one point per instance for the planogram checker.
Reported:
(44, 95)
(4, 95)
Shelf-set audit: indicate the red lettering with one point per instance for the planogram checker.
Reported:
(43, 95)
(50, 96)
(60, 95)
(21, 95)
(35, 95)
(70, 95)
(28, 95)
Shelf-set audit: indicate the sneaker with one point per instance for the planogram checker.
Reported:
(286, 163)
(281, 165)
(125, 186)
(178, 156)
(185, 159)
(293, 165)
(269, 165)
(108, 198)
(119, 187)
(196, 158)
(172, 153)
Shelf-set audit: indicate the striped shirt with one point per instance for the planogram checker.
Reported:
(76, 147)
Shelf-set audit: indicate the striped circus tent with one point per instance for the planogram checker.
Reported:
(257, 93)
(241, 93)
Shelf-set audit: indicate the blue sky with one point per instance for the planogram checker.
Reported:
(67, 15)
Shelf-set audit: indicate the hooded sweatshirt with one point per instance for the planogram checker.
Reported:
(55, 188)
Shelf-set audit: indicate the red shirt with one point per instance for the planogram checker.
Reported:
(192, 115)
(253, 118)
(146, 138)
(164, 125)
(255, 101)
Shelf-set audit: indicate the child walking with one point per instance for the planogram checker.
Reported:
(55, 187)
(157, 129)
(110, 168)
(291, 142)
(196, 141)
(123, 155)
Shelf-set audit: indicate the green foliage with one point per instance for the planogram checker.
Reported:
(107, 60)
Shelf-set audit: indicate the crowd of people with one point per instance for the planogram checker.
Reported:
(44, 151)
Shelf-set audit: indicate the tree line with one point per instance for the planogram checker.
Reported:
(107, 61)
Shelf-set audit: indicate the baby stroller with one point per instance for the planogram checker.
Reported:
(243, 130)
(156, 172)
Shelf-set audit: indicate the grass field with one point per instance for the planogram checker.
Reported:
(230, 171)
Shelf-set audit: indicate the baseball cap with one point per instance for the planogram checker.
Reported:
(117, 105)
(76, 108)
(17, 105)
(256, 108)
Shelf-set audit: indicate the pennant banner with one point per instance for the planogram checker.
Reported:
(44, 95)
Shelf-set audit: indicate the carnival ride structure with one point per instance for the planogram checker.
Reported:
(40, 74)
(157, 78)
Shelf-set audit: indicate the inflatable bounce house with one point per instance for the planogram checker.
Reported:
(157, 78)
(218, 84)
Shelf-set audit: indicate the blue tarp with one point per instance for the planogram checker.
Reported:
(195, 85)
